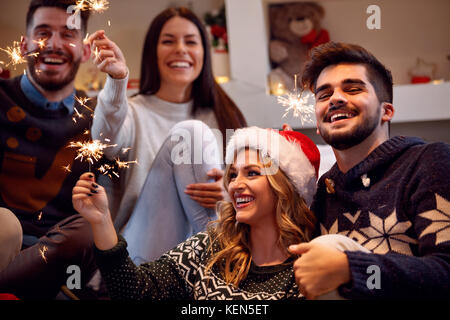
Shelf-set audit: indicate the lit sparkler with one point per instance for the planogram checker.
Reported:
(15, 54)
(99, 6)
(91, 151)
(298, 102)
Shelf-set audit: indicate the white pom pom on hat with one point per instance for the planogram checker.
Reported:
(293, 152)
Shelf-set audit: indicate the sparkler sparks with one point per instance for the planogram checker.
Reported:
(42, 252)
(82, 101)
(98, 6)
(41, 43)
(15, 54)
(298, 102)
(91, 151)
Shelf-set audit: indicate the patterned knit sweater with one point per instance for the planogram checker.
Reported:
(396, 204)
(180, 275)
(37, 169)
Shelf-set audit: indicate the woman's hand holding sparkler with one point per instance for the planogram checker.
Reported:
(107, 56)
(90, 200)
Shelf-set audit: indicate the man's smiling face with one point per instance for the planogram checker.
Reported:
(347, 107)
(61, 50)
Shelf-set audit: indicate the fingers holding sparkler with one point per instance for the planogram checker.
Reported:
(107, 56)
(89, 199)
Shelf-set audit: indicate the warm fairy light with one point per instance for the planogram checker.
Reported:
(298, 102)
(89, 150)
(15, 54)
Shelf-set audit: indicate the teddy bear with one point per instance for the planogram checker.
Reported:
(295, 30)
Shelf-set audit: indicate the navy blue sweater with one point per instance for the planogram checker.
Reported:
(396, 204)
(33, 153)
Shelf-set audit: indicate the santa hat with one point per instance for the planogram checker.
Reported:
(294, 153)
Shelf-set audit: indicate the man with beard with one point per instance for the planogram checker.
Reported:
(40, 233)
(389, 197)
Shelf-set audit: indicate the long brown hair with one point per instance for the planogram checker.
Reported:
(206, 93)
(295, 221)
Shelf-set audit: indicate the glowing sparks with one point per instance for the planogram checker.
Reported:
(89, 151)
(40, 216)
(98, 5)
(109, 170)
(82, 101)
(42, 43)
(15, 54)
(298, 101)
(125, 164)
(67, 168)
(125, 150)
(42, 252)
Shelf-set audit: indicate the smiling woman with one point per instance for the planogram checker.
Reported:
(242, 255)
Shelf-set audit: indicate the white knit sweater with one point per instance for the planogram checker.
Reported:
(141, 123)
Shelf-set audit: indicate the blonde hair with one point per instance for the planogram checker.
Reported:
(294, 219)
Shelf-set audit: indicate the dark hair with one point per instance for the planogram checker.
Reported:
(332, 53)
(206, 93)
(62, 4)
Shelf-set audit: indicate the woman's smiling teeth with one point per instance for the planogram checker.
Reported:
(243, 200)
(180, 64)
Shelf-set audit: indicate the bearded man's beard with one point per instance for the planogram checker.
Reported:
(48, 83)
(353, 137)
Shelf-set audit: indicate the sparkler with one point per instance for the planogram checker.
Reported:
(298, 102)
(15, 54)
(98, 6)
(91, 151)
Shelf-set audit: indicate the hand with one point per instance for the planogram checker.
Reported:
(320, 269)
(207, 194)
(107, 56)
(90, 200)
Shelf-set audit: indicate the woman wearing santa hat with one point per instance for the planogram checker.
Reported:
(270, 178)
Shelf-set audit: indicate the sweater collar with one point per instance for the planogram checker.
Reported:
(39, 100)
(383, 154)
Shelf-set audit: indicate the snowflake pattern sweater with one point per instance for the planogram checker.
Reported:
(180, 275)
(33, 154)
(396, 204)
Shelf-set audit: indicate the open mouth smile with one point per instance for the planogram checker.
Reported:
(243, 201)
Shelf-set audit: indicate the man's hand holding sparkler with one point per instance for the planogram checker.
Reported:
(107, 56)
(90, 200)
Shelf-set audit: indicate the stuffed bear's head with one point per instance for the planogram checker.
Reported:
(291, 21)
